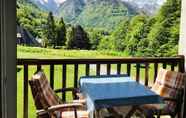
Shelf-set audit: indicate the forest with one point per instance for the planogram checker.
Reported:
(138, 35)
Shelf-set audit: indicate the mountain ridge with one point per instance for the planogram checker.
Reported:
(101, 13)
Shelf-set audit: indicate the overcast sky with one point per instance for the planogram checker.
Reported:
(60, 1)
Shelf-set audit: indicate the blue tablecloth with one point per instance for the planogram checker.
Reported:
(104, 79)
(106, 92)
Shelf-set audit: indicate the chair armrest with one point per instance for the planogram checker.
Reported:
(59, 107)
(81, 101)
(63, 106)
(170, 99)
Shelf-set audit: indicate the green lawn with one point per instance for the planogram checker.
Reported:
(30, 52)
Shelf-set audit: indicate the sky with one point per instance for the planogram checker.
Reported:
(60, 1)
(57, 1)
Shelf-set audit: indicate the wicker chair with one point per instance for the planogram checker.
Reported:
(48, 104)
(169, 85)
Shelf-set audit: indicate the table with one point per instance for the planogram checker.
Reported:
(112, 91)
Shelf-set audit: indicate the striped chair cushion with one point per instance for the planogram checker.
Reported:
(168, 84)
(43, 94)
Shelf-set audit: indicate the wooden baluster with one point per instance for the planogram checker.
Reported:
(172, 66)
(184, 99)
(137, 72)
(52, 76)
(39, 67)
(64, 81)
(108, 69)
(97, 69)
(87, 70)
(118, 69)
(164, 65)
(128, 69)
(181, 65)
(146, 74)
(25, 98)
(76, 75)
(155, 71)
(75, 78)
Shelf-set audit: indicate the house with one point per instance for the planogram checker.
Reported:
(24, 37)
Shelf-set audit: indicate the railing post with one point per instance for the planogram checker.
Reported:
(128, 69)
(38, 67)
(76, 75)
(75, 79)
(146, 74)
(25, 98)
(184, 99)
(155, 71)
(164, 65)
(108, 69)
(64, 82)
(172, 66)
(137, 72)
(181, 68)
(118, 69)
(87, 69)
(98, 69)
(181, 64)
(52, 76)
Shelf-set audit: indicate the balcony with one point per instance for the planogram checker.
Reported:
(64, 73)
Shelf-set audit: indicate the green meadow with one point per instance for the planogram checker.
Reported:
(42, 53)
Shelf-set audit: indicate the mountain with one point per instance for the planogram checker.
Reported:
(149, 7)
(95, 13)
(98, 13)
(70, 9)
(48, 5)
(104, 14)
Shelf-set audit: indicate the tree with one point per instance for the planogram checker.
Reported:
(136, 33)
(61, 33)
(70, 37)
(95, 36)
(78, 38)
(164, 33)
(51, 30)
(117, 38)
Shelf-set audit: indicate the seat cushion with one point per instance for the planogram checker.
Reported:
(168, 84)
(42, 92)
(152, 109)
(71, 114)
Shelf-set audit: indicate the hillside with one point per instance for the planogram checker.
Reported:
(31, 17)
(71, 9)
(98, 13)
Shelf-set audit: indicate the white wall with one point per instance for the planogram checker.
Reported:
(182, 42)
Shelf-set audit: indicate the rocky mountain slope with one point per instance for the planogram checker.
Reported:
(98, 13)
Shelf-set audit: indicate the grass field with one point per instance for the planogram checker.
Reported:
(30, 52)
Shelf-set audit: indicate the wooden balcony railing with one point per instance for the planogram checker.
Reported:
(133, 67)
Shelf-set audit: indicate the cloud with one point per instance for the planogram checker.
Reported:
(60, 1)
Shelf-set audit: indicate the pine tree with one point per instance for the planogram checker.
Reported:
(77, 38)
(81, 38)
(51, 30)
(70, 37)
(61, 33)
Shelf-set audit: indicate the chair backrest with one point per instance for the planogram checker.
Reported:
(169, 84)
(43, 94)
